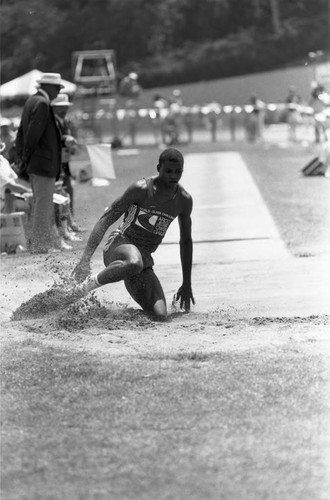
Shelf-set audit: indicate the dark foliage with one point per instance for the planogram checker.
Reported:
(167, 41)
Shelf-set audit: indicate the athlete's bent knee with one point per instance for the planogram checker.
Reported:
(160, 311)
(133, 267)
(160, 317)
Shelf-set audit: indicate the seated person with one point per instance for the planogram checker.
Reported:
(14, 196)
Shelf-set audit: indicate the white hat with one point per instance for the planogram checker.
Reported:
(51, 79)
(61, 100)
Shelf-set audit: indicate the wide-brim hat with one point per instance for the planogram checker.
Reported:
(61, 100)
(50, 79)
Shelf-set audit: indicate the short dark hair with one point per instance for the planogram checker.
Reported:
(171, 154)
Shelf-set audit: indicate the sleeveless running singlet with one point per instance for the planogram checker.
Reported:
(145, 225)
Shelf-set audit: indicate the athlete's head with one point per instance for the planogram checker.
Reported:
(170, 166)
(170, 155)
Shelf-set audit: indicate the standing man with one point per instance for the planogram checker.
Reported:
(38, 146)
(149, 205)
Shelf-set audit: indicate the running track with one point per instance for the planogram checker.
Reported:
(230, 219)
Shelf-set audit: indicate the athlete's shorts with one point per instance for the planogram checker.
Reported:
(116, 239)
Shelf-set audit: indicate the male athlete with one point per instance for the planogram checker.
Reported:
(149, 205)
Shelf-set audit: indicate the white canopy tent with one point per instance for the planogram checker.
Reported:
(26, 85)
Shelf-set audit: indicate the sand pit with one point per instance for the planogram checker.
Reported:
(35, 306)
(113, 328)
(42, 304)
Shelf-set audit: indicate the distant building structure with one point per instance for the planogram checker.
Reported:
(94, 71)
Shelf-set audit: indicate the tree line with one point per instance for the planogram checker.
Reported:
(165, 41)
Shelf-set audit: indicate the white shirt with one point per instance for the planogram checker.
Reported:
(7, 175)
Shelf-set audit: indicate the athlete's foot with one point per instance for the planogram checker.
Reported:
(71, 236)
(77, 229)
(65, 246)
(75, 293)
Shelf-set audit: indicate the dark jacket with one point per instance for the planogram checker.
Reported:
(38, 140)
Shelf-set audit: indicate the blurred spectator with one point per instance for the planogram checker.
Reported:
(319, 100)
(255, 118)
(158, 115)
(132, 118)
(130, 89)
(188, 120)
(170, 129)
(176, 98)
(293, 113)
(172, 124)
(175, 117)
(38, 146)
(8, 137)
(324, 156)
(61, 104)
(129, 86)
(232, 120)
(213, 112)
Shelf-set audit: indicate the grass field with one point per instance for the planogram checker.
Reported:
(228, 425)
(205, 406)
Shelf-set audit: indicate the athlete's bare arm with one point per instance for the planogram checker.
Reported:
(184, 294)
(134, 194)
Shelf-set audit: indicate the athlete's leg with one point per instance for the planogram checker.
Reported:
(147, 291)
(121, 261)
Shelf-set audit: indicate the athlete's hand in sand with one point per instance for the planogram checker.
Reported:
(185, 295)
(81, 271)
